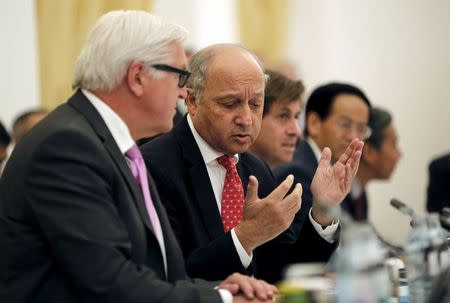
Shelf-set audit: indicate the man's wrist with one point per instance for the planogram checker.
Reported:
(225, 295)
(321, 217)
(245, 241)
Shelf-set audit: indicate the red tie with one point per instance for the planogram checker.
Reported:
(232, 195)
(360, 205)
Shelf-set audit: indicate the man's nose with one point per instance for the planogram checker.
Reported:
(293, 128)
(245, 116)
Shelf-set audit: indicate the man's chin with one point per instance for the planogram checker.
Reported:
(237, 148)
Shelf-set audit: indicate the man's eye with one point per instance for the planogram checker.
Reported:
(255, 105)
(229, 104)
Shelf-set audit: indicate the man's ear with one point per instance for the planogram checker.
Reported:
(314, 124)
(191, 103)
(135, 78)
(369, 154)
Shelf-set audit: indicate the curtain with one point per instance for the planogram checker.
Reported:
(263, 26)
(62, 27)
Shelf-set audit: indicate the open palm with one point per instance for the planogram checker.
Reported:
(331, 183)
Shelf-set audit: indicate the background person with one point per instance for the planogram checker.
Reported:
(279, 132)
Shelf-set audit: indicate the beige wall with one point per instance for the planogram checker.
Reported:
(18, 59)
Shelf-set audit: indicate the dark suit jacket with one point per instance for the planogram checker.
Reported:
(438, 194)
(73, 222)
(181, 176)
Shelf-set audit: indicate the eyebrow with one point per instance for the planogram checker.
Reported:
(350, 119)
(235, 95)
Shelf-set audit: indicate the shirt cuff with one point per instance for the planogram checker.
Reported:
(245, 258)
(226, 296)
(328, 233)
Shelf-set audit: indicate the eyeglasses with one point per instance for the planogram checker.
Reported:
(183, 74)
(362, 130)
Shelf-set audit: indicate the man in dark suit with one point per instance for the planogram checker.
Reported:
(79, 221)
(5, 139)
(335, 114)
(225, 105)
(379, 158)
(438, 193)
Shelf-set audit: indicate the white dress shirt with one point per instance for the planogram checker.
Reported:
(356, 190)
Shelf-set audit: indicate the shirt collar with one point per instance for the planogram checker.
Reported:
(115, 124)
(357, 189)
(208, 153)
(315, 148)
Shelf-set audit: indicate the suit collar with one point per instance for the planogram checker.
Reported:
(85, 107)
(199, 179)
(113, 121)
(314, 148)
(305, 154)
(207, 152)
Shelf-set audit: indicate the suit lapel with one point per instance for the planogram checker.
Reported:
(308, 152)
(175, 270)
(305, 154)
(84, 106)
(204, 198)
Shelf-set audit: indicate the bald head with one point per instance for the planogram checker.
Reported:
(217, 57)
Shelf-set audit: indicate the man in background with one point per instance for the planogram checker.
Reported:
(21, 125)
(279, 132)
(80, 217)
(438, 193)
(380, 156)
(5, 140)
(25, 121)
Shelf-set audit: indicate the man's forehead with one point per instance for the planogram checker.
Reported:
(344, 104)
(233, 76)
(232, 93)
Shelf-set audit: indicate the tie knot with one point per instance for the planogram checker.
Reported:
(134, 153)
(226, 161)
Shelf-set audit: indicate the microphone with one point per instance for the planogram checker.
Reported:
(444, 216)
(347, 222)
(402, 207)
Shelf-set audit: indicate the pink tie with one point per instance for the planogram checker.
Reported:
(232, 195)
(139, 171)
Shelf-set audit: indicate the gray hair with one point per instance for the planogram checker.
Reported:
(119, 38)
(200, 62)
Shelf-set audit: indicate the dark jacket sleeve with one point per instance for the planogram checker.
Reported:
(438, 193)
(300, 243)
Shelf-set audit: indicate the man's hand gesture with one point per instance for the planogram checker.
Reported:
(331, 183)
